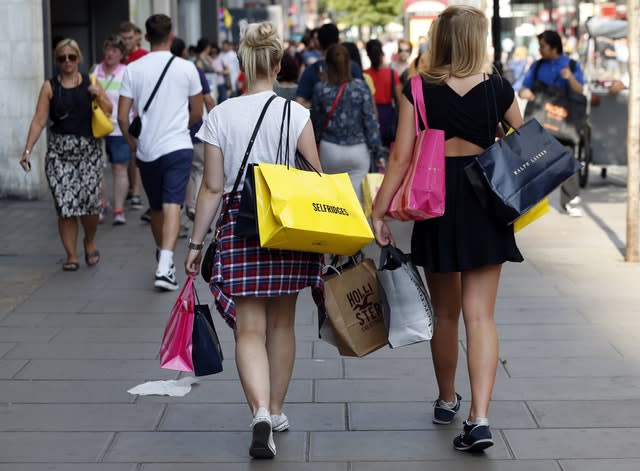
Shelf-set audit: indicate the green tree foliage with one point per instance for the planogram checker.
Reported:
(366, 12)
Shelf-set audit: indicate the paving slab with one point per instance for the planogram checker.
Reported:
(586, 414)
(84, 351)
(68, 467)
(619, 464)
(264, 465)
(574, 443)
(185, 447)
(6, 347)
(579, 388)
(9, 368)
(27, 334)
(558, 349)
(70, 392)
(568, 367)
(79, 417)
(396, 446)
(476, 463)
(111, 335)
(95, 369)
(51, 447)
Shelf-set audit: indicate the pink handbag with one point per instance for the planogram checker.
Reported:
(175, 351)
(422, 191)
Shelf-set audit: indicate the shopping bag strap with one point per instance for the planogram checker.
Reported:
(391, 257)
(155, 89)
(334, 105)
(419, 108)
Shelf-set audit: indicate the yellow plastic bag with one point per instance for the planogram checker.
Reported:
(370, 186)
(309, 212)
(101, 124)
(534, 213)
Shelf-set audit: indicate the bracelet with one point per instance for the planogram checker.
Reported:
(27, 151)
(194, 246)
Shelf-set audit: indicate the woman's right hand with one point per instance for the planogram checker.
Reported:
(192, 262)
(382, 232)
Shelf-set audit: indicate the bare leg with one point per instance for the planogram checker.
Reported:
(479, 291)
(135, 181)
(157, 222)
(445, 297)
(281, 347)
(120, 185)
(251, 353)
(90, 226)
(68, 229)
(170, 225)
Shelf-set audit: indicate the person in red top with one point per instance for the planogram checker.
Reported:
(127, 32)
(388, 89)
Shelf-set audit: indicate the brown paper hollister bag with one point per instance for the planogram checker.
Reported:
(353, 307)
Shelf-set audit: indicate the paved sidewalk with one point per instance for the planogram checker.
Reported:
(567, 395)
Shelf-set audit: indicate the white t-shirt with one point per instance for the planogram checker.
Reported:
(230, 60)
(230, 124)
(165, 124)
(111, 84)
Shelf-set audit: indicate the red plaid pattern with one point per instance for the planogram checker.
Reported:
(242, 268)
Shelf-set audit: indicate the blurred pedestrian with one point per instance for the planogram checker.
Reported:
(164, 151)
(73, 164)
(255, 289)
(555, 71)
(221, 71)
(354, 54)
(287, 81)
(388, 89)
(462, 252)
(344, 121)
(229, 58)
(402, 62)
(109, 74)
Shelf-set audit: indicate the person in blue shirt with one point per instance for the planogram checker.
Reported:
(328, 35)
(556, 69)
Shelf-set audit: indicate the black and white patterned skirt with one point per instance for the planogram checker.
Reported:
(73, 167)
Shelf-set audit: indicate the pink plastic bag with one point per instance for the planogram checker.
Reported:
(175, 352)
(422, 191)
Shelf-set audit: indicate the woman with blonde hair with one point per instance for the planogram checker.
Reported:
(73, 164)
(255, 289)
(462, 252)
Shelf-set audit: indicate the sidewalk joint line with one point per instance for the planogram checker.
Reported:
(533, 416)
(107, 448)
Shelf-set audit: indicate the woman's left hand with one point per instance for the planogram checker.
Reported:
(381, 232)
(94, 90)
(192, 262)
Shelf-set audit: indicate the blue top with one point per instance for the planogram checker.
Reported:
(353, 121)
(310, 78)
(549, 73)
(205, 90)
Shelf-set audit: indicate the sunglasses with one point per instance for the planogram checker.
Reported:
(69, 57)
(402, 49)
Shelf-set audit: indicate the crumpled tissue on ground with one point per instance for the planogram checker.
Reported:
(177, 388)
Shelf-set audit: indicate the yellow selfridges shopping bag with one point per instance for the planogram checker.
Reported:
(309, 211)
(370, 186)
(534, 213)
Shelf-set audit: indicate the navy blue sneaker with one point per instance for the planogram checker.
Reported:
(443, 414)
(474, 438)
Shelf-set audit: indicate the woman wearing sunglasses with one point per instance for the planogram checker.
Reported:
(73, 164)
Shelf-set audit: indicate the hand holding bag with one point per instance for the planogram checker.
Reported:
(353, 312)
(421, 194)
(406, 305)
(175, 350)
(101, 124)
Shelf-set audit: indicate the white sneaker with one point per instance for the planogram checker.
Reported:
(262, 445)
(279, 423)
(166, 281)
(573, 210)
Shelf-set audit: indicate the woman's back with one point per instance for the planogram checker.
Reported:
(231, 124)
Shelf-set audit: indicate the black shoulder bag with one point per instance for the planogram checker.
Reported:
(135, 128)
(206, 266)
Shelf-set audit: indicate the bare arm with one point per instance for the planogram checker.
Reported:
(195, 114)
(307, 146)
(39, 120)
(209, 197)
(513, 116)
(527, 94)
(571, 79)
(397, 167)
(124, 107)
(209, 102)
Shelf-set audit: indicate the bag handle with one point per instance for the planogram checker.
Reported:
(155, 89)
(334, 105)
(391, 257)
(394, 98)
(418, 102)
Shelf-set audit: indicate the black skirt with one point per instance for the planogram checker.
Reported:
(466, 236)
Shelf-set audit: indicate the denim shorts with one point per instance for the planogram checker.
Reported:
(117, 150)
(165, 179)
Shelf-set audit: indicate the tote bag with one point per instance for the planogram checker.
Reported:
(421, 194)
(175, 350)
(101, 124)
(308, 211)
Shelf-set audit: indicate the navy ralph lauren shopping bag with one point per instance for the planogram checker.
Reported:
(206, 350)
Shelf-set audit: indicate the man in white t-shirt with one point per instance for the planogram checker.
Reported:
(230, 60)
(163, 150)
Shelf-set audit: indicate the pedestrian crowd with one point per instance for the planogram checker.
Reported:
(187, 123)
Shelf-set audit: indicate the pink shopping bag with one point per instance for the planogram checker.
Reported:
(175, 351)
(422, 192)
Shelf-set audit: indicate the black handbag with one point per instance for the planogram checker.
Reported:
(135, 127)
(206, 351)
(206, 266)
(518, 171)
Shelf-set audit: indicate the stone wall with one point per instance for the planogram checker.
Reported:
(21, 76)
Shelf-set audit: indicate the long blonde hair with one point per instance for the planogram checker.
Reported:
(260, 51)
(457, 44)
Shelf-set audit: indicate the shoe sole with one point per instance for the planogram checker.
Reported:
(477, 446)
(284, 427)
(260, 442)
(441, 422)
(165, 286)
